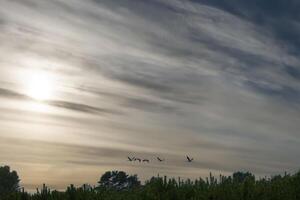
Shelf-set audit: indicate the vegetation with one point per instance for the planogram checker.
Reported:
(119, 186)
(118, 181)
(9, 181)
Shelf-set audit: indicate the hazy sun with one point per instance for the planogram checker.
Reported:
(39, 85)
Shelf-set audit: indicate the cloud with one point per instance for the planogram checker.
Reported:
(80, 107)
(56, 103)
(210, 45)
(280, 17)
(11, 94)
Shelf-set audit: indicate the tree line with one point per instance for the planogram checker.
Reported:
(117, 185)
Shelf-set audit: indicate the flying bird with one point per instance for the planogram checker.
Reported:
(137, 159)
(189, 159)
(146, 160)
(130, 159)
(159, 159)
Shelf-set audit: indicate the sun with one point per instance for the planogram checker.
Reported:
(39, 85)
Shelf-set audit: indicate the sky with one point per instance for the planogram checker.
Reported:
(84, 84)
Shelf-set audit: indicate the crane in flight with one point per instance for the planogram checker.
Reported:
(159, 159)
(146, 160)
(189, 159)
(130, 159)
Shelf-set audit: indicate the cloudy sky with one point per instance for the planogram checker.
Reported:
(84, 84)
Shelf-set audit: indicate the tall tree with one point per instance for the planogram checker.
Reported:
(240, 177)
(9, 180)
(118, 180)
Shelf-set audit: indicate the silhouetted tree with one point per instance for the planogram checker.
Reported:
(9, 180)
(116, 185)
(240, 177)
(133, 181)
(118, 180)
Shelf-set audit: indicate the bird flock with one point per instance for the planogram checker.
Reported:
(135, 159)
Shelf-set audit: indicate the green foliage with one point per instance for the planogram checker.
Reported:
(239, 186)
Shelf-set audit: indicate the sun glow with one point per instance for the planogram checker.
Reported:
(40, 85)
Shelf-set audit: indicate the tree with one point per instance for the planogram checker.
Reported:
(9, 180)
(240, 177)
(118, 180)
(133, 181)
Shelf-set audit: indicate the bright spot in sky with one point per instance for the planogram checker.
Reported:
(39, 85)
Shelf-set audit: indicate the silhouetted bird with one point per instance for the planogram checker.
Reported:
(189, 159)
(146, 160)
(160, 160)
(137, 159)
(130, 159)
